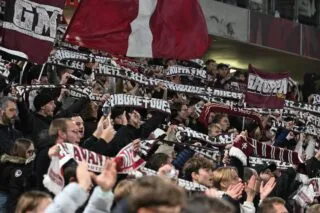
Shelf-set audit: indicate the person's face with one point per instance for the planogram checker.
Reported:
(79, 122)
(234, 179)
(44, 203)
(211, 117)
(214, 131)
(224, 72)
(72, 135)
(224, 122)
(204, 177)
(135, 119)
(266, 175)
(30, 151)
(49, 108)
(191, 111)
(44, 80)
(183, 113)
(212, 66)
(280, 208)
(9, 114)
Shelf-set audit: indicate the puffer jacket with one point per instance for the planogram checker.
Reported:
(16, 177)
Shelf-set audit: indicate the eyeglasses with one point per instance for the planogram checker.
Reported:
(30, 152)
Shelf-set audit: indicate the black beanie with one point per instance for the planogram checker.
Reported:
(42, 99)
(115, 112)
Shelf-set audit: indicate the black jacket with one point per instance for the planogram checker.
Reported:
(124, 136)
(16, 178)
(33, 123)
(8, 135)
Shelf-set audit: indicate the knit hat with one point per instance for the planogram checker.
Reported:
(115, 112)
(41, 99)
(241, 149)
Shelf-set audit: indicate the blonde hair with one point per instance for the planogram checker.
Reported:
(314, 209)
(223, 175)
(123, 189)
(30, 200)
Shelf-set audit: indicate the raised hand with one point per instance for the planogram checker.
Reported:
(266, 189)
(108, 177)
(235, 191)
(84, 176)
(250, 188)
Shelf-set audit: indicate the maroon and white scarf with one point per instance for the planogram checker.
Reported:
(126, 161)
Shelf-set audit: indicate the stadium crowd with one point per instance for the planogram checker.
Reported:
(34, 125)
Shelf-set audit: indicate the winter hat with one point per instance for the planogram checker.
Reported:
(115, 112)
(241, 149)
(42, 99)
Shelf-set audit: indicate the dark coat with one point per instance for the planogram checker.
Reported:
(33, 123)
(16, 178)
(8, 135)
(124, 136)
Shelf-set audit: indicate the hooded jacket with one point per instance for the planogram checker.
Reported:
(16, 178)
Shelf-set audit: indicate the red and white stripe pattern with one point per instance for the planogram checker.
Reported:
(141, 28)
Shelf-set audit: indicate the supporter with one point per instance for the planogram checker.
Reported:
(45, 106)
(223, 121)
(122, 190)
(8, 133)
(89, 114)
(314, 209)
(214, 130)
(179, 114)
(158, 160)
(80, 124)
(33, 201)
(119, 118)
(17, 174)
(61, 130)
(199, 170)
(226, 180)
(153, 194)
(129, 133)
(272, 205)
(201, 203)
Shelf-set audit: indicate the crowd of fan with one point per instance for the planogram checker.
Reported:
(32, 125)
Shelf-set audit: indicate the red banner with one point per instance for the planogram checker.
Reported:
(266, 90)
(274, 32)
(72, 3)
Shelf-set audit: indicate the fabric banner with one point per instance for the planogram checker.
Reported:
(307, 193)
(223, 20)
(187, 71)
(75, 90)
(277, 33)
(189, 186)
(139, 28)
(137, 101)
(126, 160)
(184, 133)
(4, 68)
(255, 161)
(31, 27)
(266, 90)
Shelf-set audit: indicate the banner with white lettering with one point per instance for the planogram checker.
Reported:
(187, 71)
(137, 101)
(31, 26)
(266, 90)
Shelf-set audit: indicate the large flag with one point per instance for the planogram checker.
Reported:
(266, 90)
(141, 28)
(30, 26)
